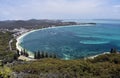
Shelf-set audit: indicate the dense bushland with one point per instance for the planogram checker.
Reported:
(103, 66)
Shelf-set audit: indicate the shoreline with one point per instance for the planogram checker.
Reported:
(31, 55)
(19, 40)
(92, 57)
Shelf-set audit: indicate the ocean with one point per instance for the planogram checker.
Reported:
(74, 42)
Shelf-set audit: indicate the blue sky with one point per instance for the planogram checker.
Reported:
(59, 9)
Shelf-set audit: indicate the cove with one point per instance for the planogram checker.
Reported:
(74, 42)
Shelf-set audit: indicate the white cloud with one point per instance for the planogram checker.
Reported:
(116, 6)
(60, 9)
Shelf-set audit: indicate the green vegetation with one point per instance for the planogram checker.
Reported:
(5, 72)
(42, 54)
(4, 41)
(103, 66)
(6, 56)
(111, 58)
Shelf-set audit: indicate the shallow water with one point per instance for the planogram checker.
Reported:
(76, 41)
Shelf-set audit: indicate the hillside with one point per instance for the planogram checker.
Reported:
(104, 66)
(32, 24)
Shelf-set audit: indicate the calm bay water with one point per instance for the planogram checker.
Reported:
(75, 41)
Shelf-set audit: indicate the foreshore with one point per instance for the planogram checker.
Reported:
(92, 57)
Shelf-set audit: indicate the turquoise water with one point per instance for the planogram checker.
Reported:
(75, 41)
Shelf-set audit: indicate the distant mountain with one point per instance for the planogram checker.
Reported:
(32, 23)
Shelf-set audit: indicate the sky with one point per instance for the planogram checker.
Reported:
(59, 9)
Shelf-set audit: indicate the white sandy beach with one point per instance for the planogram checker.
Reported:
(19, 40)
(92, 57)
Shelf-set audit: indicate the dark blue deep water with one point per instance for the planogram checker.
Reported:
(75, 41)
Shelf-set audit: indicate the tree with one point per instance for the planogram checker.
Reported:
(38, 55)
(54, 55)
(50, 55)
(42, 54)
(24, 52)
(21, 52)
(16, 56)
(46, 55)
(18, 53)
(113, 50)
(35, 55)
